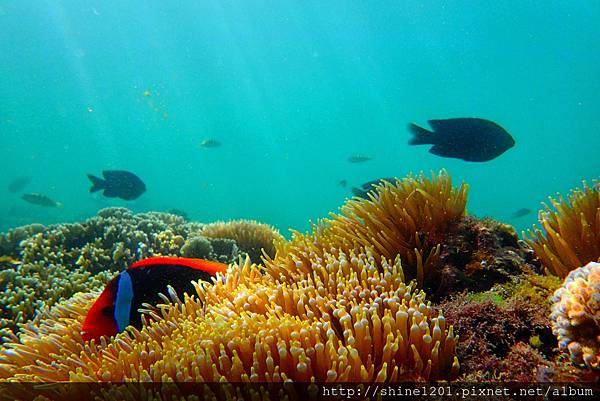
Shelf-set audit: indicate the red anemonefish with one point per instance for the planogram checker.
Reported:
(117, 306)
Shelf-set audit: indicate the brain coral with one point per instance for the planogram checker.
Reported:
(572, 232)
(576, 315)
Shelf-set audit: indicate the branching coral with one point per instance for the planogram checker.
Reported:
(250, 236)
(572, 231)
(350, 321)
(60, 260)
(410, 218)
(9, 243)
(576, 315)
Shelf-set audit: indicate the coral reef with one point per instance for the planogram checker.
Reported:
(345, 302)
(250, 236)
(60, 260)
(506, 333)
(220, 249)
(335, 305)
(576, 315)
(493, 333)
(478, 254)
(350, 321)
(9, 243)
(197, 247)
(571, 236)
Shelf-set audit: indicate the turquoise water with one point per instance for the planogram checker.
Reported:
(291, 89)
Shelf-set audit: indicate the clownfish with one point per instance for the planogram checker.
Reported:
(117, 306)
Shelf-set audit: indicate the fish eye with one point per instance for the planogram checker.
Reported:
(107, 311)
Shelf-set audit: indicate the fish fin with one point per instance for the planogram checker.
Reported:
(435, 150)
(99, 320)
(421, 135)
(97, 183)
(207, 266)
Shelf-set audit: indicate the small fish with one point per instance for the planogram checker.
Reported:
(210, 143)
(18, 184)
(118, 305)
(343, 183)
(118, 184)
(359, 158)
(521, 213)
(365, 188)
(40, 200)
(469, 139)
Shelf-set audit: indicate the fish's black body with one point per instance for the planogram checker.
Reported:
(118, 184)
(149, 281)
(469, 139)
(363, 191)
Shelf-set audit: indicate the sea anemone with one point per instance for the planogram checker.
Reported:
(250, 236)
(572, 231)
(49, 339)
(410, 218)
(576, 315)
(362, 323)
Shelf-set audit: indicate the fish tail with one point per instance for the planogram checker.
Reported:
(97, 183)
(421, 135)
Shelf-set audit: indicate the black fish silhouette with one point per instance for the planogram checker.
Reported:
(365, 188)
(210, 143)
(118, 184)
(470, 139)
(521, 213)
(41, 200)
(358, 158)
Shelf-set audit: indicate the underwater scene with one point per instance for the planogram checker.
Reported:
(208, 200)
